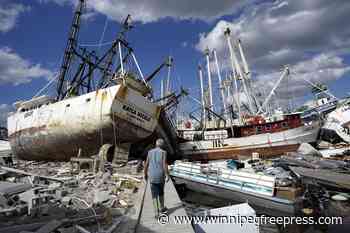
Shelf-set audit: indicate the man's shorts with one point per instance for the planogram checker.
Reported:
(157, 189)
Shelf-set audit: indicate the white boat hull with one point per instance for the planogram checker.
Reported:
(57, 131)
(337, 125)
(267, 144)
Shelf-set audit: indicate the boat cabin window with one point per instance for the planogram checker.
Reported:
(88, 100)
(284, 125)
(68, 105)
(268, 127)
(259, 129)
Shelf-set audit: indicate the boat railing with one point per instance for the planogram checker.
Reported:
(224, 176)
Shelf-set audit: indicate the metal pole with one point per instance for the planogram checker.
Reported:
(227, 34)
(227, 84)
(169, 64)
(200, 72)
(243, 78)
(138, 68)
(247, 73)
(161, 91)
(121, 57)
(211, 106)
(220, 81)
(244, 61)
(284, 74)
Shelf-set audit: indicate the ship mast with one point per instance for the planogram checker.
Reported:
(272, 92)
(69, 51)
(200, 73)
(247, 74)
(220, 80)
(227, 34)
(169, 65)
(211, 106)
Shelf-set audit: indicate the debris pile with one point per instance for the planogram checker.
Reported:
(59, 195)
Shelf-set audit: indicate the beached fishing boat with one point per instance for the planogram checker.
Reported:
(241, 133)
(98, 102)
(44, 130)
(237, 186)
(268, 139)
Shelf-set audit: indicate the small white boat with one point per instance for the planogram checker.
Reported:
(5, 148)
(258, 190)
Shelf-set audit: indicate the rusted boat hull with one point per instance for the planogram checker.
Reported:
(58, 130)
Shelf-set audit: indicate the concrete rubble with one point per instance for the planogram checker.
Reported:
(60, 197)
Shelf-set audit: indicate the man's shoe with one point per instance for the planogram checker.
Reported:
(164, 210)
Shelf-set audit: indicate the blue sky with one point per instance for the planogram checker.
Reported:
(309, 37)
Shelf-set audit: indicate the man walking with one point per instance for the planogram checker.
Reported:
(156, 169)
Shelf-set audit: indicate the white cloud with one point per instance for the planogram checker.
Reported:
(152, 10)
(285, 32)
(322, 68)
(16, 70)
(4, 110)
(309, 36)
(9, 15)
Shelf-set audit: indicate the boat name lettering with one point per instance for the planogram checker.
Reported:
(137, 113)
(129, 109)
(218, 143)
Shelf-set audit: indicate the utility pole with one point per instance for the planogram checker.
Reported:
(220, 81)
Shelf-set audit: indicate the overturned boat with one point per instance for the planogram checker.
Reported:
(97, 102)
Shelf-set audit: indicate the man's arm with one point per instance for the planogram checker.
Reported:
(145, 170)
(165, 167)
